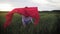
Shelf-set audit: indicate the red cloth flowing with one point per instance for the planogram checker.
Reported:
(30, 11)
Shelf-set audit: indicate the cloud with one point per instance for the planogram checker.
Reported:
(54, 1)
(47, 4)
(41, 4)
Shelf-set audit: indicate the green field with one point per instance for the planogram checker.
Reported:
(47, 25)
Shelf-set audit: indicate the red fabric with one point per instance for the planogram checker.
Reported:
(30, 11)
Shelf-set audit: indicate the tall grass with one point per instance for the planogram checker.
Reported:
(47, 24)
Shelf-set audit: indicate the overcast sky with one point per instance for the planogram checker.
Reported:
(41, 4)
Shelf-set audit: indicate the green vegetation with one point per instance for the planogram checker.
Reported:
(47, 24)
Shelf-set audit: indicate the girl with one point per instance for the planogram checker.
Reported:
(26, 20)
